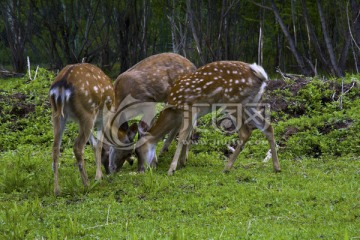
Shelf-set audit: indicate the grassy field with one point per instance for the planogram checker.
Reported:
(316, 196)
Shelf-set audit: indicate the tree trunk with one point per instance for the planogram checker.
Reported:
(171, 17)
(313, 38)
(194, 31)
(304, 69)
(261, 39)
(329, 47)
(16, 32)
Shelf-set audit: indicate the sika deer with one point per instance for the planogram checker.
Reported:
(81, 92)
(193, 95)
(147, 82)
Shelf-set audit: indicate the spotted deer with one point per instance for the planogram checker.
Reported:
(80, 92)
(149, 81)
(223, 82)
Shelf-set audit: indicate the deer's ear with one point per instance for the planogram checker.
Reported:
(131, 132)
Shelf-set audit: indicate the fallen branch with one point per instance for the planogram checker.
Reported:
(7, 74)
(288, 75)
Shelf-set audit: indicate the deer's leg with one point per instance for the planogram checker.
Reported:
(169, 139)
(80, 141)
(184, 153)
(97, 147)
(269, 133)
(185, 149)
(183, 144)
(59, 126)
(244, 135)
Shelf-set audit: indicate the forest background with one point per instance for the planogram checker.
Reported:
(299, 36)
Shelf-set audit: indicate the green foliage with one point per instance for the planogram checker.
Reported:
(25, 111)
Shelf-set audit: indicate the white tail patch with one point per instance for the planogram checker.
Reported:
(259, 71)
(260, 93)
(63, 94)
(54, 92)
(68, 94)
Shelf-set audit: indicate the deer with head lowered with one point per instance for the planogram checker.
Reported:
(140, 87)
(81, 92)
(194, 94)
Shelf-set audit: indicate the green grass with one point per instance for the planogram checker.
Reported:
(311, 198)
(316, 196)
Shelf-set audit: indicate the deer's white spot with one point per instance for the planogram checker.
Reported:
(88, 74)
(87, 83)
(235, 72)
(96, 89)
(236, 81)
(209, 83)
(215, 69)
(243, 80)
(216, 91)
